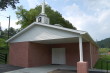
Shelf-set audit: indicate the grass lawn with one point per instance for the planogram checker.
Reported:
(102, 61)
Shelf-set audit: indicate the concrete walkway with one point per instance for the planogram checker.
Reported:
(42, 69)
(7, 67)
(99, 70)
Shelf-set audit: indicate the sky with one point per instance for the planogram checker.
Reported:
(92, 16)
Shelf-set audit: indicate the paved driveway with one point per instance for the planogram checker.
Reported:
(6, 67)
(42, 69)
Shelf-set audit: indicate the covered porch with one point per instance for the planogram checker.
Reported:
(66, 51)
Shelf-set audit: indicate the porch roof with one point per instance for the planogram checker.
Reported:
(54, 34)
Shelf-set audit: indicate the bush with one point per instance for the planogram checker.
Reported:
(103, 61)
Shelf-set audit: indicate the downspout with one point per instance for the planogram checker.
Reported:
(91, 56)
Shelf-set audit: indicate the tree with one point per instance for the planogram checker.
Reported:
(12, 31)
(26, 17)
(4, 36)
(105, 43)
(3, 44)
(5, 3)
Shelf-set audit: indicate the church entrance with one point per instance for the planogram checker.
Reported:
(58, 56)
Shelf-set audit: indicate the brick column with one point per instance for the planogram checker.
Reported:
(82, 67)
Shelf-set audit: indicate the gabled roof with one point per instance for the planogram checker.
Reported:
(84, 34)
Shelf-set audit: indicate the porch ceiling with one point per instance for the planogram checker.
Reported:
(63, 40)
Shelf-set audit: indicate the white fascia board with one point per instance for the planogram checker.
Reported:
(20, 32)
(46, 25)
(89, 39)
(62, 28)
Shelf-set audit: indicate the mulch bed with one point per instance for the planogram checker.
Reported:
(70, 71)
(6, 67)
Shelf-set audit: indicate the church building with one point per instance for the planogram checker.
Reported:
(42, 44)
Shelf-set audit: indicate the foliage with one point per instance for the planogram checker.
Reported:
(104, 50)
(4, 37)
(5, 3)
(2, 43)
(104, 43)
(103, 61)
(26, 17)
(4, 51)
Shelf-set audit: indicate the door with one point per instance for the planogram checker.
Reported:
(58, 56)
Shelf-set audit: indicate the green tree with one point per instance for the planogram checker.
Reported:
(26, 17)
(3, 44)
(12, 31)
(5, 3)
(4, 36)
(105, 43)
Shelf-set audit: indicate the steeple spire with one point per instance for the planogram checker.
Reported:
(42, 18)
(43, 7)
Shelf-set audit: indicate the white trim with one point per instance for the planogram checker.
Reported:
(88, 38)
(84, 34)
(43, 7)
(91, 56)
(45, 25)
(62, 28)
(80, 49)
(20, 32)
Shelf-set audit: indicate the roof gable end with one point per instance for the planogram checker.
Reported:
(37, 32)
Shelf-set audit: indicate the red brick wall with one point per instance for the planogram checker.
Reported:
(72, 52)
(18, 54)
(94, 53)
(27, 54)
(39, 54)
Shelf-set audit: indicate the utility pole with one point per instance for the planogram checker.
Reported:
(0, 29)
(9, 27)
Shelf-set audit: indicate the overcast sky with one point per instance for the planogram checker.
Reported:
(92, 16)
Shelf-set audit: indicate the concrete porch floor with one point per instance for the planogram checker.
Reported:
(43, 69)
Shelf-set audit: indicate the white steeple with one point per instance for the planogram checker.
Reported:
(42, 18)
(43, 7)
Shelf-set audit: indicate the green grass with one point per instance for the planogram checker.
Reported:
(104, 50)
(102, 61)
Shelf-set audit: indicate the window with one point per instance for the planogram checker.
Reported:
(39, 19)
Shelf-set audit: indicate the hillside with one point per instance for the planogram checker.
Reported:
(104, 43)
